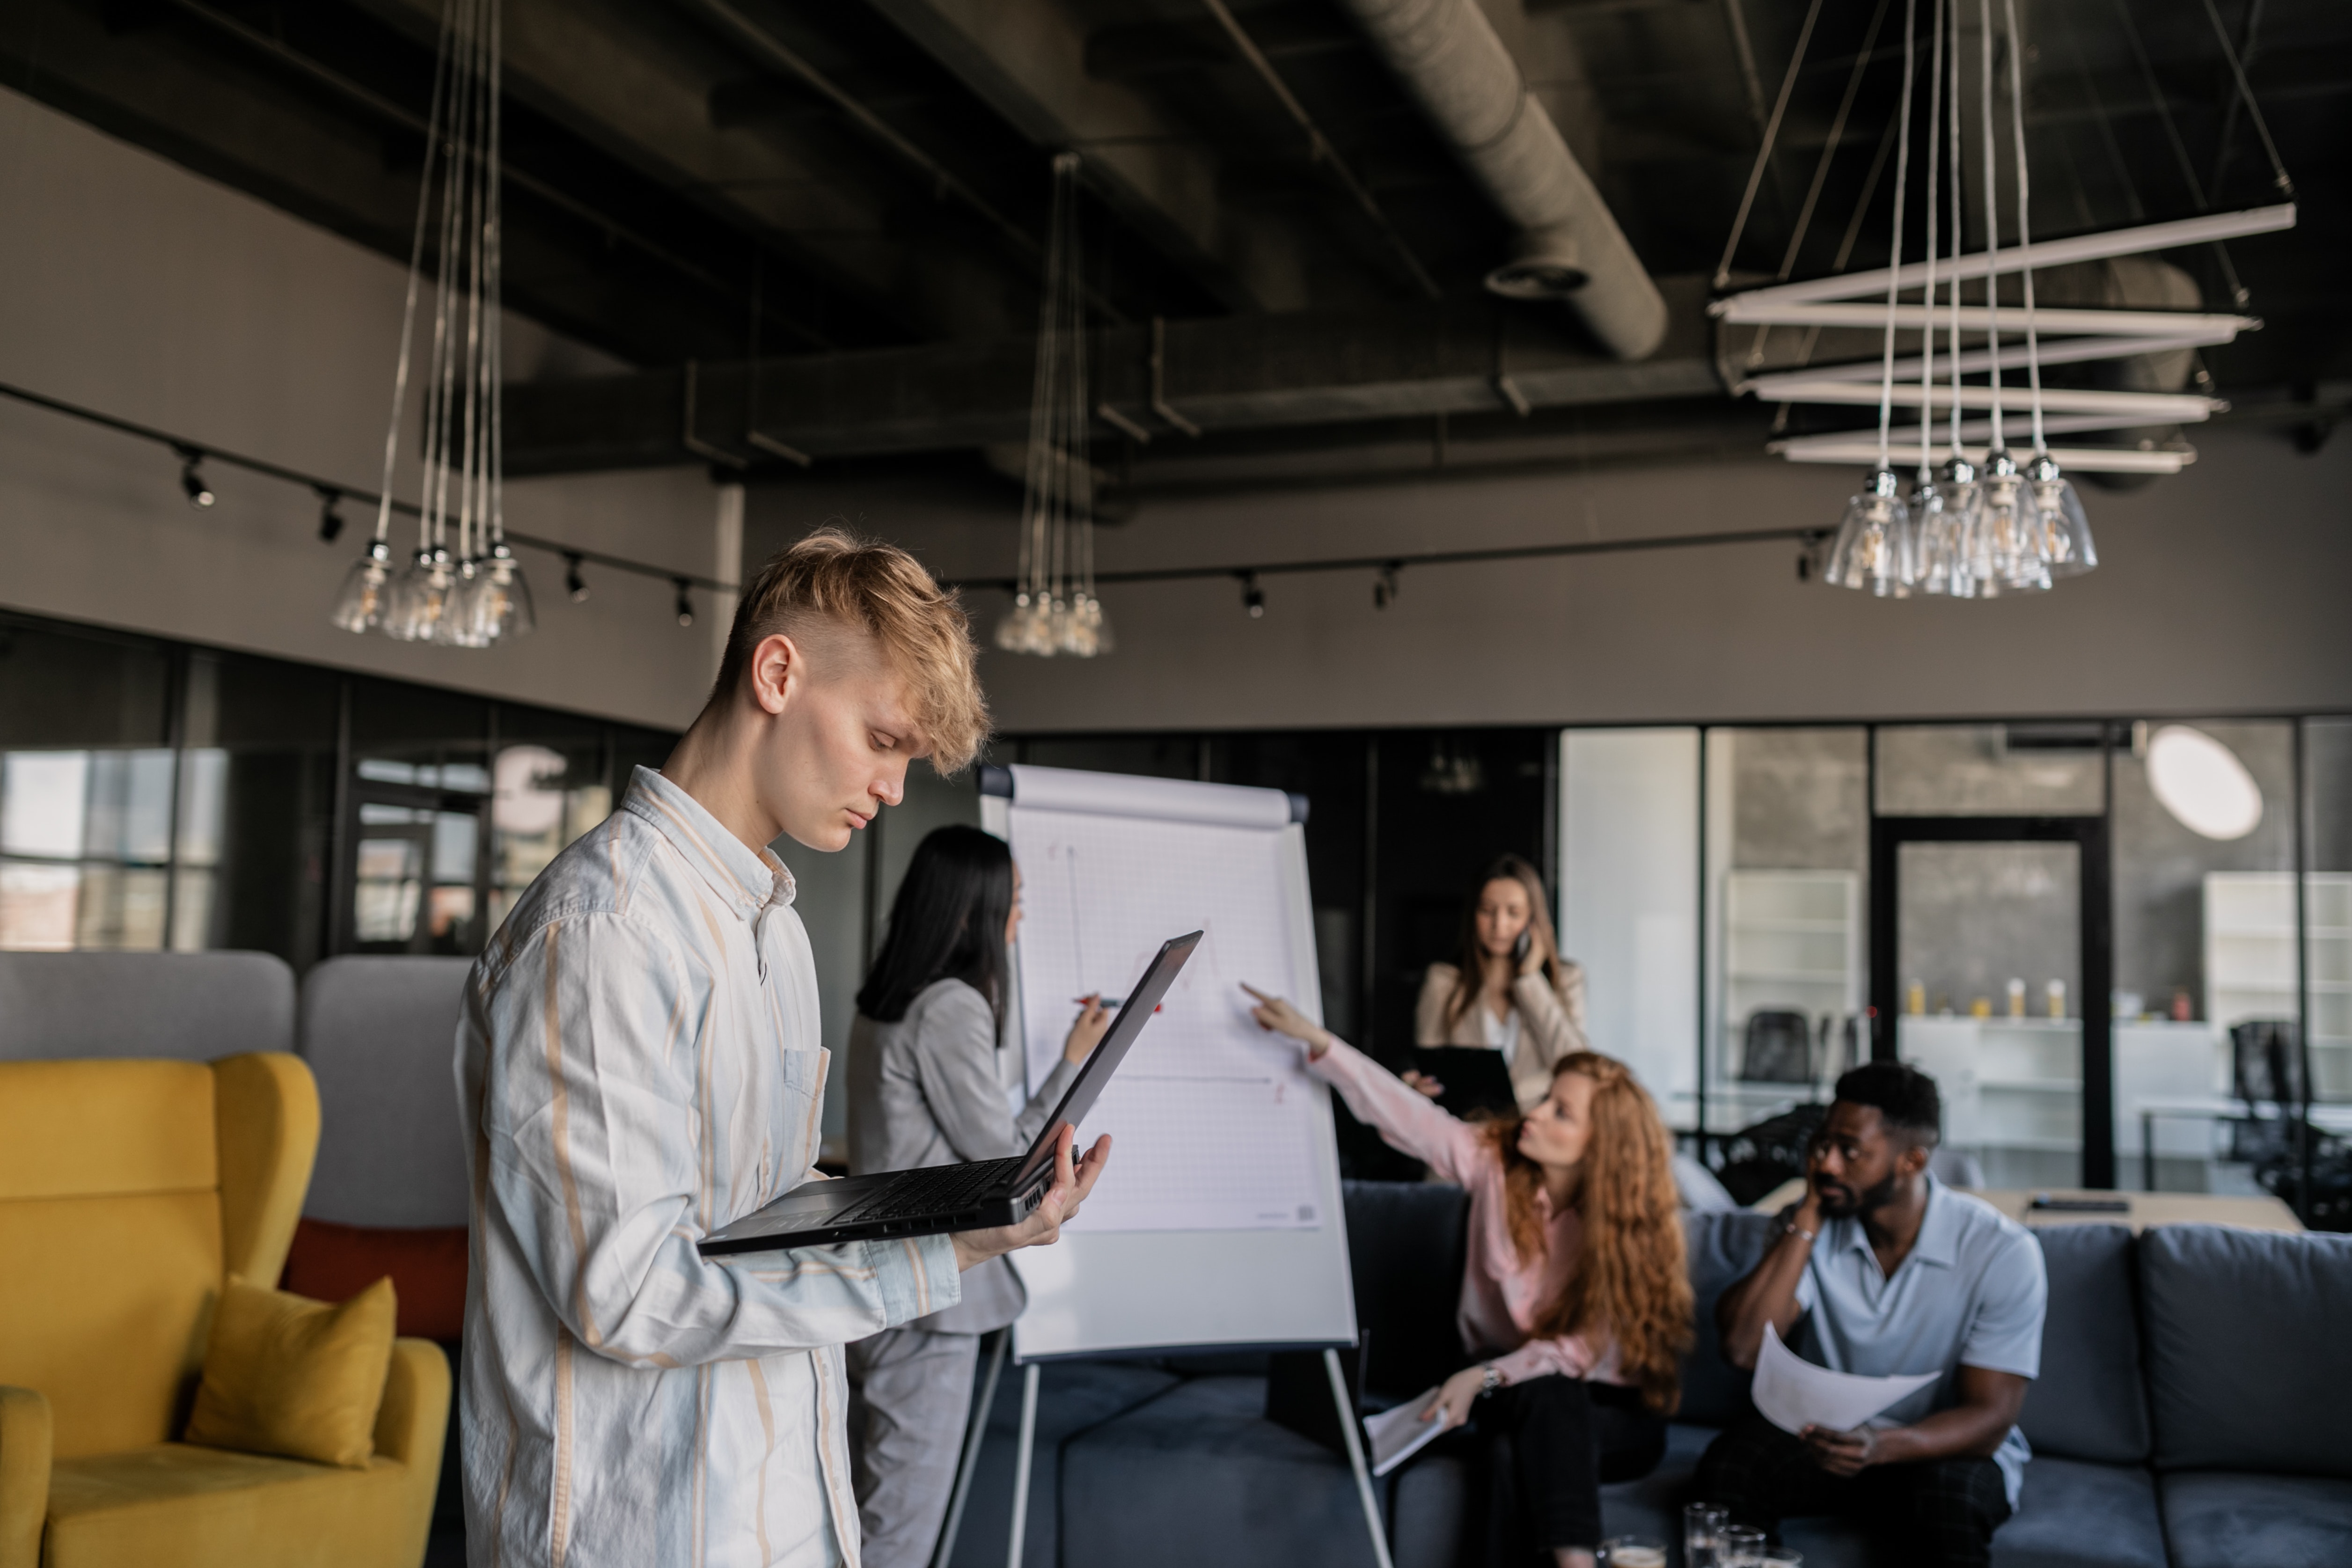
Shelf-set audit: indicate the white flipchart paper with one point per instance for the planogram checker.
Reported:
(1793, 1394)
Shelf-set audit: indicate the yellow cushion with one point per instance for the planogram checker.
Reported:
(285, 1374)
(89, 1129)
(208, 1508)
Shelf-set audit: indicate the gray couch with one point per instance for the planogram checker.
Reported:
(2194, 1410)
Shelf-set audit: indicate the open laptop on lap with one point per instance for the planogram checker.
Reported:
(936, 1198)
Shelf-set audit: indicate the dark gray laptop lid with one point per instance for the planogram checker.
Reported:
(1142, 1003)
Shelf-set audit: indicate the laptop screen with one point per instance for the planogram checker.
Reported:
(1104, 1060)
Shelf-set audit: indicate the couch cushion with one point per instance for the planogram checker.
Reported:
(2076, 1515)
(1406, 1246)
(206, 1508)
(2088, 1404)
(2247, 1358)
(1722, 1248)
(377, 1032)
(1071, 1397)
(2217, 1520)
(190, 1005)
(1196, 1475)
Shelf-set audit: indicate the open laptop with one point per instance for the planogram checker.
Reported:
(936, 1198)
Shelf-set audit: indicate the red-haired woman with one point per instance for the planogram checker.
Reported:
(1575, 1305)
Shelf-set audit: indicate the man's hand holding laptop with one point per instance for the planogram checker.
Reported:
(1043, 1225)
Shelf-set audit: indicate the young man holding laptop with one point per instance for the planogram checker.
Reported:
(639, 1065)
(1881, 1270)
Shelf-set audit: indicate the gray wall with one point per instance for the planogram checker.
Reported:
(2221, 590)
(131, 286)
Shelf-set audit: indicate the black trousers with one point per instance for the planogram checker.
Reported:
(1552, 1442)
(1939, 1513)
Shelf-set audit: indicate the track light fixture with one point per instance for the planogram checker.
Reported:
(1384, 586)
(330, 521)
(573, 582)
(1252, 596)
(191, 476)
(685, 603)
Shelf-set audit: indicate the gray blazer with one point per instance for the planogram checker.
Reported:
(925, 1092)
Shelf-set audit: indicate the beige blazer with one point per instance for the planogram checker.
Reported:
(1552, 1023)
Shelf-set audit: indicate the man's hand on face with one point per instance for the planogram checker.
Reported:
(1072, 1183)
(1843, 1454)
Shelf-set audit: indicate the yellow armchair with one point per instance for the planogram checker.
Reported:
(128, 1190)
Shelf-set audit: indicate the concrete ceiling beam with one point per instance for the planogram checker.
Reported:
(1027, 61)
(1306, 369)
(638, 81)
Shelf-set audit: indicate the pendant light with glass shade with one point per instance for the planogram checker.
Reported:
(1054, 610)
(1875, 549)
(1943, 564)
(475, 595)
(2061, 532)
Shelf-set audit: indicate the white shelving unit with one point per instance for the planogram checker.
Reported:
(2012, 1091)
(1792, 941)
(2250, 962)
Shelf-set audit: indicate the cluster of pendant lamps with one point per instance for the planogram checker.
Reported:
(1961, 532)
(462, 587)
(1055, 611)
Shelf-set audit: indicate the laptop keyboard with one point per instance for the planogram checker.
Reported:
(939, 1189)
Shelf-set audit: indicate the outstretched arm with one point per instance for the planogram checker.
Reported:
(1406, 1118)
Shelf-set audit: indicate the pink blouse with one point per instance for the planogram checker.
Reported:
(1500, 1295)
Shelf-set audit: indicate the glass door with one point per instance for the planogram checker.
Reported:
(1990, 971)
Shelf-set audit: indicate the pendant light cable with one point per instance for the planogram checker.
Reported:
(1992, 218)
(1928, 316)
(1958, 235)
(416, 259)
(1764, 152)
(2024, 223)
(1895, 256)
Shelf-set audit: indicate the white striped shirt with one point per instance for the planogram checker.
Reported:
(638, 1065)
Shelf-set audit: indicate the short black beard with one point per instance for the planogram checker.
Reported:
(1871, 1201)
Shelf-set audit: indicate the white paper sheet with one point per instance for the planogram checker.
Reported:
(1793, 1394)
(1398, 1434)
(1211, 1115)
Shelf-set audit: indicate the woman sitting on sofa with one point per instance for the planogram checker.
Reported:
(1574, 1302)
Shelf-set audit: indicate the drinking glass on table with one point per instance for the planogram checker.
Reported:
(1701, 1523)
(1782, 1557)
(1632, 1551)
(1738, 1546)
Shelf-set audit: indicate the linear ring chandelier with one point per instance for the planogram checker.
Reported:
(1982, 523)
(475, 595)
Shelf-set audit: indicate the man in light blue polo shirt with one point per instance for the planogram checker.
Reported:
(1890, 1273)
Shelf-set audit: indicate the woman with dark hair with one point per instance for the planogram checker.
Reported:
(925, 1089)
(1510, 990)
(1575, 1309)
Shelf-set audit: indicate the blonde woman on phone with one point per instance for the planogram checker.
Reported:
(1510, 990)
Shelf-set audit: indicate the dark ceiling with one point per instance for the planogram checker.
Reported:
(719, 180)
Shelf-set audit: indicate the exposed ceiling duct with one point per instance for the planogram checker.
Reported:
(1569, 246)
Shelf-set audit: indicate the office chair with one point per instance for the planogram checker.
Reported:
(1777, 1048)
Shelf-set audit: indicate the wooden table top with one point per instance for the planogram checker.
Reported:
(2261, 1212)
(2258, 1213)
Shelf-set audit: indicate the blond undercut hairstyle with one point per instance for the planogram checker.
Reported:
(862, 586)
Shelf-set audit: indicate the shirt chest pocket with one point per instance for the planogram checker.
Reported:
(798, 1113)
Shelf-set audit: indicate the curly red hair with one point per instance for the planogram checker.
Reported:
(1630, 1284)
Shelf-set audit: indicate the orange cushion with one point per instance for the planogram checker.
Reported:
(335, 1262)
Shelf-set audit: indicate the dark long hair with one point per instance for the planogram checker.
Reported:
(947, 923)
(1507, 868)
